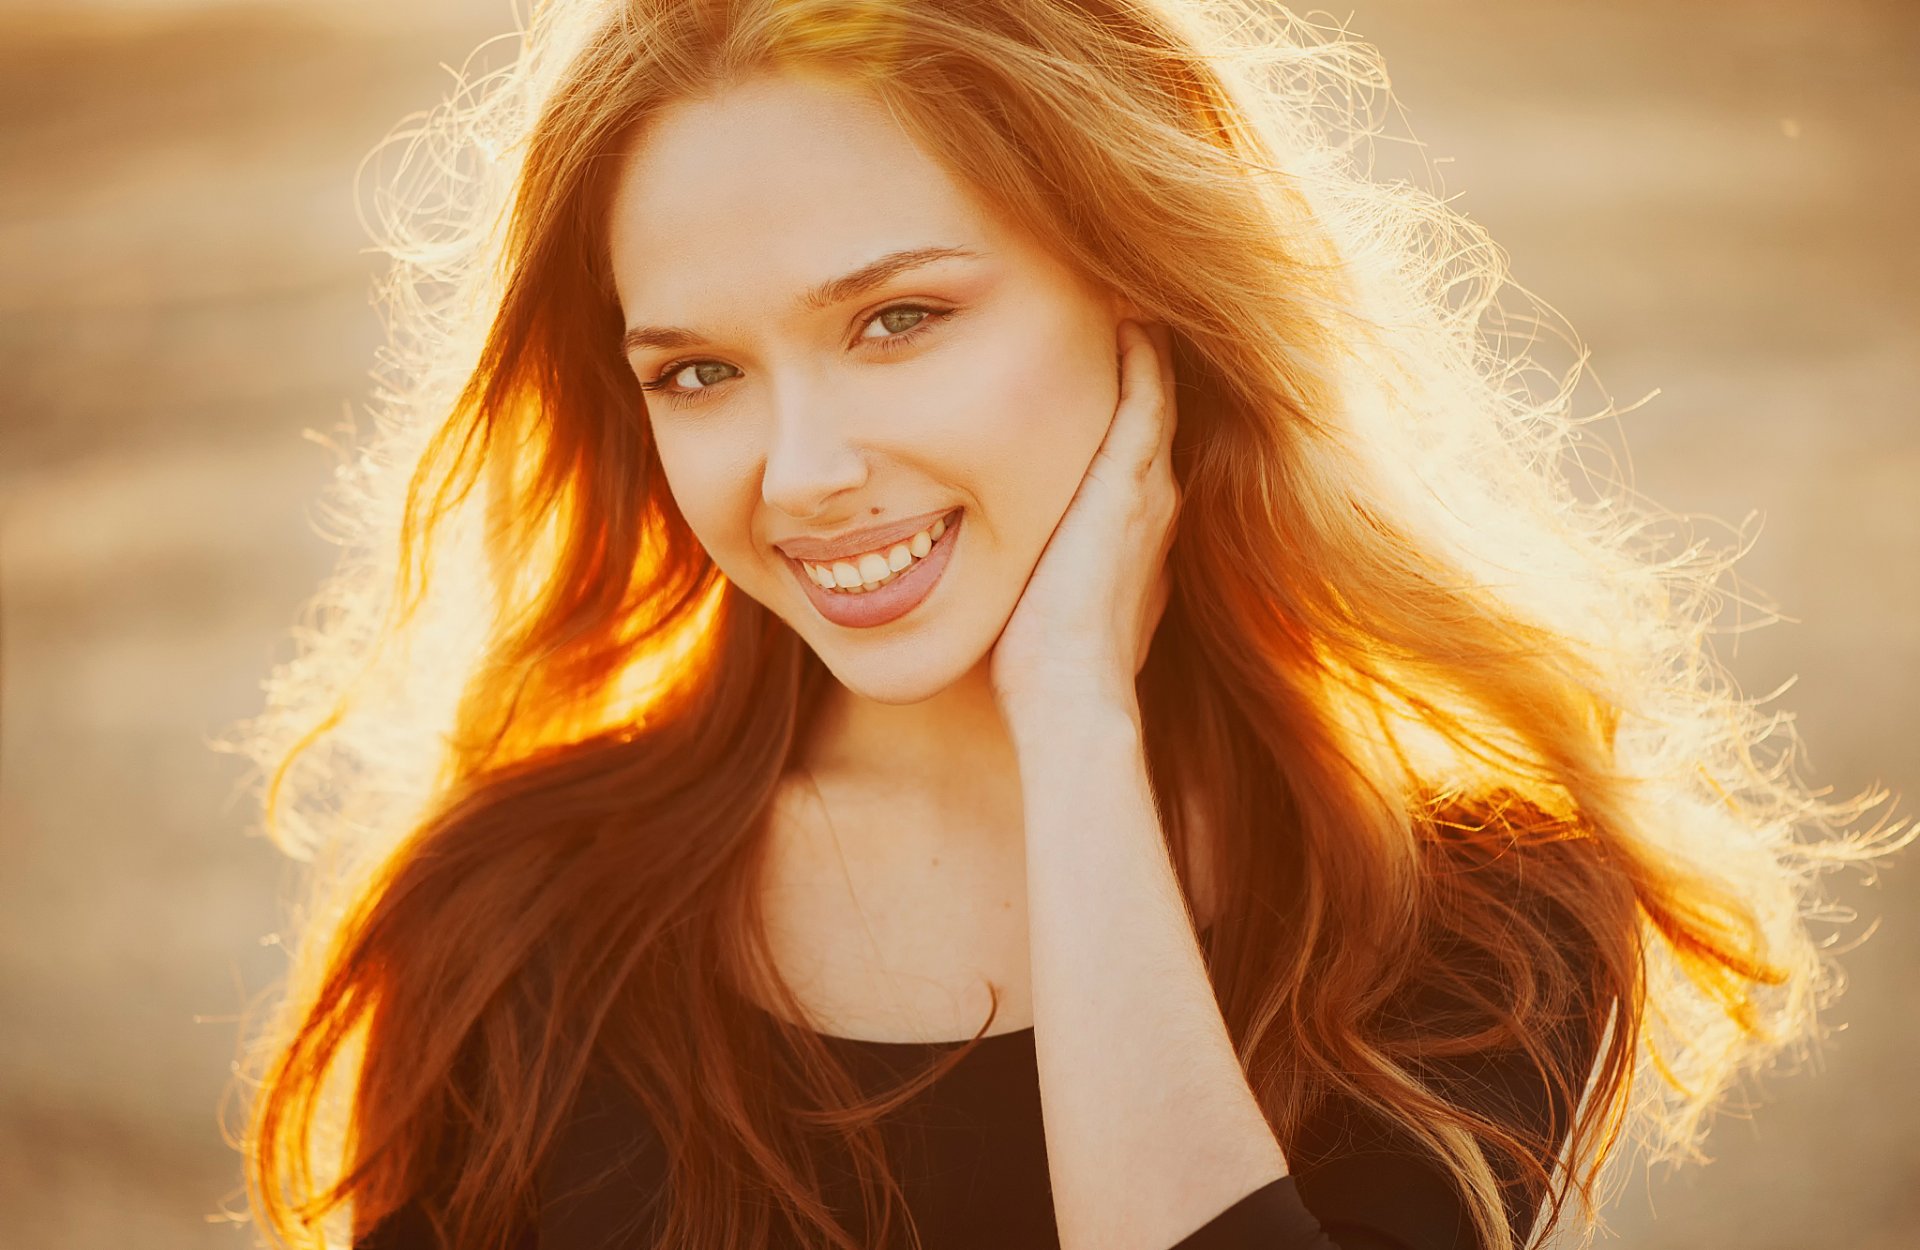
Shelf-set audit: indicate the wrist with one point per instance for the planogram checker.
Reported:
(1074, 717)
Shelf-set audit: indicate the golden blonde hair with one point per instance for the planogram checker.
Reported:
(1434, 704)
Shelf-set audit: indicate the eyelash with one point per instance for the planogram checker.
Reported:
(658, 384)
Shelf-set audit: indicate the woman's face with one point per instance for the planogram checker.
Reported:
(982, 380)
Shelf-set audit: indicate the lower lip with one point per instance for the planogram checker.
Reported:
(893, 600)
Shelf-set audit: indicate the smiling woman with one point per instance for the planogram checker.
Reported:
(839, 403)
(999, 666)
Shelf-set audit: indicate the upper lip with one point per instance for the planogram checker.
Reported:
(857, 542)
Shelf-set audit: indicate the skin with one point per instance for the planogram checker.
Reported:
(998, 409)
(985, 813)
(899, 853)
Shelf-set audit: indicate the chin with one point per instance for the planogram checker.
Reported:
(897, 679)
(898, 665)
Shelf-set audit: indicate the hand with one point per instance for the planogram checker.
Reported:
(1089, 609)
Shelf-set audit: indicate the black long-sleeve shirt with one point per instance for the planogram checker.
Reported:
(972, 1158)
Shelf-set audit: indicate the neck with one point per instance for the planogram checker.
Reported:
(953, 751)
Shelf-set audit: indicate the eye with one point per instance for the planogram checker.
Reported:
(704, 370)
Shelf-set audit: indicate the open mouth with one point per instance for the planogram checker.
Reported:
(892, 593)
(879, 579)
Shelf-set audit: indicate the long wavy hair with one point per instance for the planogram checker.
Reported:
(530, 735)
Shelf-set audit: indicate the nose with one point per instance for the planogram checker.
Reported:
(810, 458)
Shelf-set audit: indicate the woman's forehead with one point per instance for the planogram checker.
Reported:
(776, 164)
(744, 204)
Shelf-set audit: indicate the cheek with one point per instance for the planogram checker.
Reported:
(711, 485)
(1021, 418)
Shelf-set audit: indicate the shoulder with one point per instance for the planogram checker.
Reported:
(605, 1174)
(1526, 937)
(598, 1184)
(1500, 1013)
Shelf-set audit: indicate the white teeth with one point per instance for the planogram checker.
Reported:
(875, 568)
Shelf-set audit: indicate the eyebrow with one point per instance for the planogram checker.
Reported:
(825, 295)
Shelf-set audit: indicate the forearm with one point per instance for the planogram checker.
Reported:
(1151, 1126)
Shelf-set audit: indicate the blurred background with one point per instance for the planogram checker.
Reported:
(1718, 196)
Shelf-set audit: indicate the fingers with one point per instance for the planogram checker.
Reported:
(1169, 413)
(1146, 422)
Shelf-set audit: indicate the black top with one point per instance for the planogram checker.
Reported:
(971, 1158)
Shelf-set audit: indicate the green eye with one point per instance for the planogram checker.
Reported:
(702, 369)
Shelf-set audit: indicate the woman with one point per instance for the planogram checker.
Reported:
(1038, 687)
